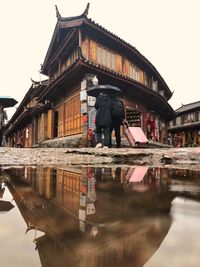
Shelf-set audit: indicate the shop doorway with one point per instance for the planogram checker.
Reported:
(133, 117)
(55, 124)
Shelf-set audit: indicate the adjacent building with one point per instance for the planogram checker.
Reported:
(58, 109)
(184, 130)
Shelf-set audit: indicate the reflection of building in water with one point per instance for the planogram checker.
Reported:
(88, 216)
(108, 249)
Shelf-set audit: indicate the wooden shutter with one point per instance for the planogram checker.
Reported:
(73, 115)
(93, 51)
(49, 124)
(61, 120)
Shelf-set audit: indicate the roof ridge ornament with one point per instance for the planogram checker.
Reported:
(58, 13)
(85, 13)
(60, 18)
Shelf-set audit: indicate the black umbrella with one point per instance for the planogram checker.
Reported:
(5, 205)
(7, 101)
(108, 89)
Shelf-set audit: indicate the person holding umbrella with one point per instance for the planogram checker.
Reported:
(103, 105)
(3, 117)
(5, 102)
(103, 119)
(117, 116)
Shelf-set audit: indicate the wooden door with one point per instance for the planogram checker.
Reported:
(73, 115)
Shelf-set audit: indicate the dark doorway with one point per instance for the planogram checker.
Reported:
(55, 124)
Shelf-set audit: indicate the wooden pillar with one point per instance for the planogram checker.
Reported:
(85, 109)
(79, 38)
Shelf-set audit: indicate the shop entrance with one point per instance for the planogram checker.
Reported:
(133, 117)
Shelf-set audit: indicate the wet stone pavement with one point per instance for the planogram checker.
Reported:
(175, 157)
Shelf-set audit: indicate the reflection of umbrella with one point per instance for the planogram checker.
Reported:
(109, 89)
(5, 205)
(7, 101)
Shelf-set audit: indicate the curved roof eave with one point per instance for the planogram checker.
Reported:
(83, 62)
(135, 83)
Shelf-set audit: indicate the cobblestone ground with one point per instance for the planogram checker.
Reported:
(176, 157)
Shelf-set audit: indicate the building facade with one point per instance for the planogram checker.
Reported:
(184, 130)
(80, 50)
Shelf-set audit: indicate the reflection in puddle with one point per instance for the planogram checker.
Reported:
(98, 216)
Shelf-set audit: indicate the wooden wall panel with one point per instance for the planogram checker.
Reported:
(126, 67)
(39, 129)
(118, 63)
(85, 48)
(73, 115)
(42, 126)
(30, 135)
(93, 51)
(60, 120)
(141, 76)
(50, 124)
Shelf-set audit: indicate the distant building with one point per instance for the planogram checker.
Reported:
(58, 110)
(184, 130)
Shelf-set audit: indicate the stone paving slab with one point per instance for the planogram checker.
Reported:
(184, 157)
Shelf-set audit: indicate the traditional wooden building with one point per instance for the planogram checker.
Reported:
(81, 49)
(28, 125)
(184, 130)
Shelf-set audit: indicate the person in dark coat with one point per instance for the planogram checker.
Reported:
(103, 119)
(3, 117)
(117, 116)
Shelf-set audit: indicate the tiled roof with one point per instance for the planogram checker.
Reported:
(91, 22)
(188, 107)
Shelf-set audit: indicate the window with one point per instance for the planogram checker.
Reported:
(134, 72)
(137, 73)
(106, 57)
(108, 63)
(190, 118)
(155, 86)
(171, 124)
(99, 54)
(178, 121)
(113, 65)
(145, 78)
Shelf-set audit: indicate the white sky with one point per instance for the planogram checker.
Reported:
(180, 247)
(166, 32)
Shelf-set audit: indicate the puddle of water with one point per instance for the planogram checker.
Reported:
(99, 216)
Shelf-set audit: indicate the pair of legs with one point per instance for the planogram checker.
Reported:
(106, 133)
(116, 128)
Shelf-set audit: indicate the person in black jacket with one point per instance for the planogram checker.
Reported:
(3, 117)
(103, 119)
(117, 116)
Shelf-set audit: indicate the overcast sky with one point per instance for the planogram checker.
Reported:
(166, 32)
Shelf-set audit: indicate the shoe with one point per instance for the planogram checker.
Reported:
(106, 147)
(99, 145)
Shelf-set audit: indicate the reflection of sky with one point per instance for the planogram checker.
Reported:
(181, 246)
(21, 251)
